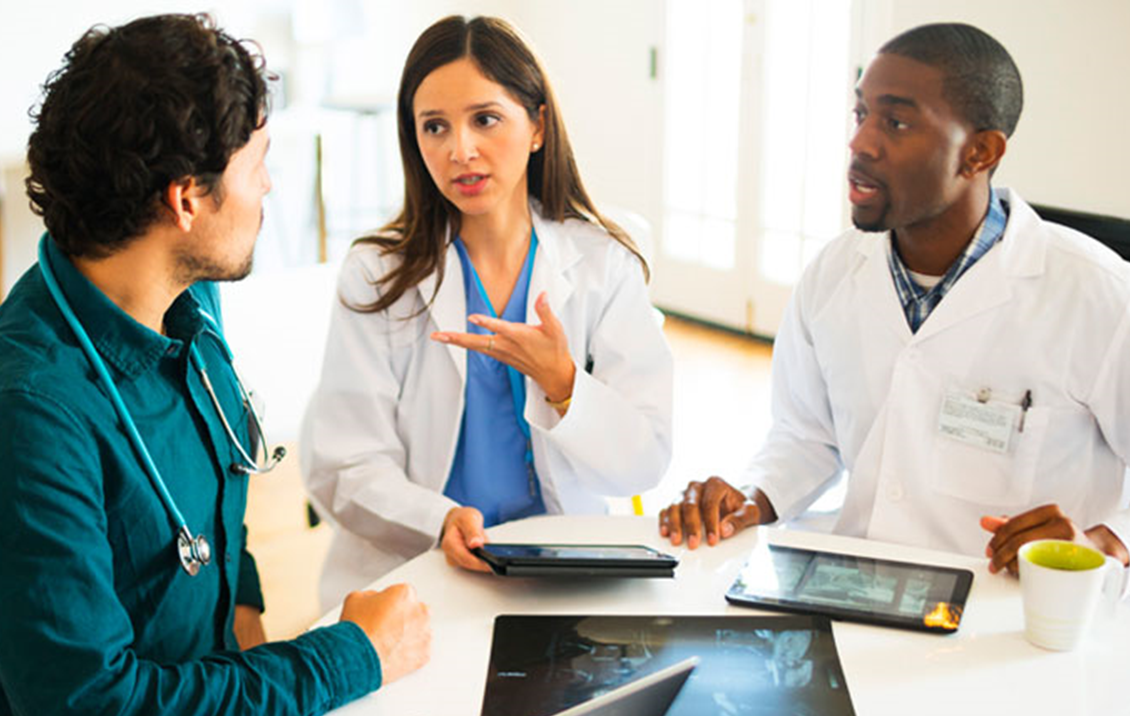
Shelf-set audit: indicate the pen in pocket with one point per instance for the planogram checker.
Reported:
(1025, 403)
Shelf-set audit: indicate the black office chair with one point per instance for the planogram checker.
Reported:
(1110, 230)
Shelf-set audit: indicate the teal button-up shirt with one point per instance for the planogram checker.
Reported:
(96, 613)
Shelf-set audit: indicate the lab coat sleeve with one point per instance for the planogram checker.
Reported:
(799, 457)
(65, 638)
(1109, 400)
(615, 438)
(354, 460)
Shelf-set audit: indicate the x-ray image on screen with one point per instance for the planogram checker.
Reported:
(784, 666)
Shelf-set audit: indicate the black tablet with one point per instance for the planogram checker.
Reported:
(576, 560)
(922, 597)
(542, 664)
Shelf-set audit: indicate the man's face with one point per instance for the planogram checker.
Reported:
(906, 153)
(221, 246)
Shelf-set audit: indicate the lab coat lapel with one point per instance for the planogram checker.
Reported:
(876, 287)
(982, 288)
(449, 309)
(551, 263)
(987, 284)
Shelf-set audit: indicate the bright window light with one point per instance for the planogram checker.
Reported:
(804, 131)
(703, 75)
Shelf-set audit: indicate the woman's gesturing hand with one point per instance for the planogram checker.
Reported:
(540, 352)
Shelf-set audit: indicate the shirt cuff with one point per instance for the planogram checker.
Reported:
(346, 662)
(1119, 525)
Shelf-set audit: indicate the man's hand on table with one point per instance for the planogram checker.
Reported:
(398, 625)
(715, 508)
(1046, 522)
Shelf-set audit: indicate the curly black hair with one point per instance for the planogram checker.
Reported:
(132, 109)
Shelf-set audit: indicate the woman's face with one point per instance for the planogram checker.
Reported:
(475, 138)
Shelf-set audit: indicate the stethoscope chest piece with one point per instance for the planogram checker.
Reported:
(193, 553)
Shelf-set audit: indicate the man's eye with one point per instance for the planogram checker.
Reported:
(897, 124)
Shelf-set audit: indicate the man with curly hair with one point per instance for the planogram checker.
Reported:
(124, 575)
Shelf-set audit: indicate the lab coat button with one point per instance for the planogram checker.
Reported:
(912, 355)
(894, 493)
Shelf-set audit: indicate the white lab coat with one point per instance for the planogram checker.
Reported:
(380, 434)
(1045, 310)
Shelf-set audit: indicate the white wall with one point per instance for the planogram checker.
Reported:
(597, 56)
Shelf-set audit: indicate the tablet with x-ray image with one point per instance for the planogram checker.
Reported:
(906, 595)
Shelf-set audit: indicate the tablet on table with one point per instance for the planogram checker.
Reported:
(922, 597)
(541, 665)
(576, 560)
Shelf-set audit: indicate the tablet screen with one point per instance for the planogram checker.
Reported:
(903, 594)
(543, 664)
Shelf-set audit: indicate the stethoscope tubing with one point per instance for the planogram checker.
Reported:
(193, 551)
(110, 389)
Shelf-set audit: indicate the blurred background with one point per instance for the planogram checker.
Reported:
(720, 125)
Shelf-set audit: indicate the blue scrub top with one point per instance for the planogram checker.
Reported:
(493, 470)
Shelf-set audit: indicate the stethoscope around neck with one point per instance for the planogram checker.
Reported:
(193, 551)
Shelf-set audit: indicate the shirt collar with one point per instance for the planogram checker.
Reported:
(128, 346)
(988, 233)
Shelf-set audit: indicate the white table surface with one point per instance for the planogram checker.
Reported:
(986, 668)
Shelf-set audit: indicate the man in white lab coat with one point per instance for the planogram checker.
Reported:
(965, 362)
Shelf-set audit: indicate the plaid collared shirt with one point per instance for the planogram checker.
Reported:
(918, 302)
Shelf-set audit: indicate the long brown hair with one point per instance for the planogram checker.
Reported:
(418, 233)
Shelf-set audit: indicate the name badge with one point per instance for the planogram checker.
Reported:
(987, 425)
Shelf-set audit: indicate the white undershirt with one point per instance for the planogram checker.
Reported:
(926, 282)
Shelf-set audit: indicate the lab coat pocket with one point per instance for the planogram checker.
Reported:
(980, 476)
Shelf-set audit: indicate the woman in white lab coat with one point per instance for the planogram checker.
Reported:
(494, 354)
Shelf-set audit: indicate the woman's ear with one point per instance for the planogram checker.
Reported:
(538, 140)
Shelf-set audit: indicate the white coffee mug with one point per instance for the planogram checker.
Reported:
(1063, 583)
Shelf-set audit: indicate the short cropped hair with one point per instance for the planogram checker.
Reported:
(133, 109)
(981, 82)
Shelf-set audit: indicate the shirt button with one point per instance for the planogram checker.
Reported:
(227, 559)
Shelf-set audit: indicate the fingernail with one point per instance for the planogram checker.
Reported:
(441, 338)
(711, 537)
(727, 530)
